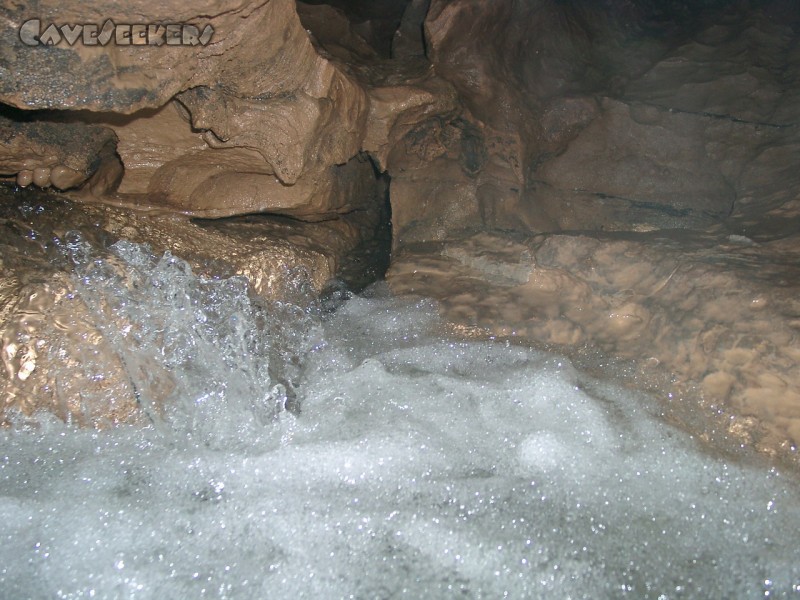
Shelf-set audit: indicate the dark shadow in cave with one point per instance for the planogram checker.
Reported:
(376, 21)
(365, 264)
(369, 261)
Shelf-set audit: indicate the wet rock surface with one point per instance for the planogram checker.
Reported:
(58, 328)
(708, 319)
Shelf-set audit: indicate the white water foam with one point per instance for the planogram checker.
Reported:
(420, 467)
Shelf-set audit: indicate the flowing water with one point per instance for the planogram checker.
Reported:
(419, 466)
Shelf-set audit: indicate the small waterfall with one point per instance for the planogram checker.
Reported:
(129, 328)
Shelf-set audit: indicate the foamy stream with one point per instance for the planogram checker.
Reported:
(419, 466)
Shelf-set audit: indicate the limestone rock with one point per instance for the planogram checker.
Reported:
(334, 34)
(271, 92)
(126, 78)
(375, 21)
(151, 138)
(717, 338)
(59, 354)
(221, 183)
(395, 110)
(408, 41)
(293, 134)
(277, 103)
(661, 159)
(618, 130)
(46, 153)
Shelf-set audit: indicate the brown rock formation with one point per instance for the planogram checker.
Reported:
(57, 351)
(63, 155)
(259, 84)
(723, 335)
(692, 129)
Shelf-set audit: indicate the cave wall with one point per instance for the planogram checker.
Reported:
(624, 115)
(516, 115)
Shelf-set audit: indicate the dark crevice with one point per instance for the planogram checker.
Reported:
(720, 117)
(363, 265)
(375, 20)
(369, 261)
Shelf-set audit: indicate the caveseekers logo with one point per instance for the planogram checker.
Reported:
(90, 34)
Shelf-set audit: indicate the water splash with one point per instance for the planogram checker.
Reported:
(191, 353)
(421, 466)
